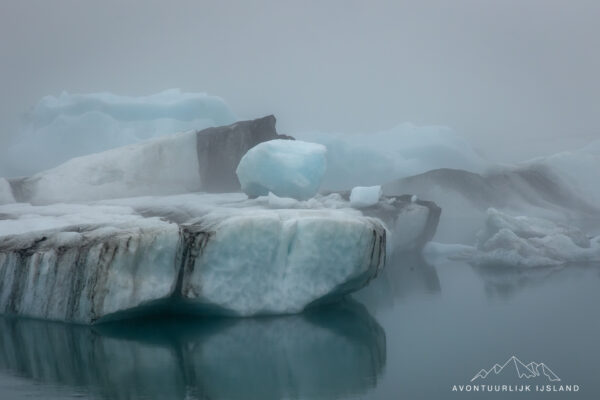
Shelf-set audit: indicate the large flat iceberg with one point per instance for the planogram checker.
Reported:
(192, 253)
(80, 243)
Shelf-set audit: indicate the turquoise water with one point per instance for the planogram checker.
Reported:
(415, 332)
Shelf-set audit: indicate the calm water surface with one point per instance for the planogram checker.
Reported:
(414, 333)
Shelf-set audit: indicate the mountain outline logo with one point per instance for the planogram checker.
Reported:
(528, 371)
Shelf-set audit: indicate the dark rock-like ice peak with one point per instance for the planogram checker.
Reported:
(220, 150)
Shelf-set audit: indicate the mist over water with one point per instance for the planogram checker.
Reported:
(517, 79)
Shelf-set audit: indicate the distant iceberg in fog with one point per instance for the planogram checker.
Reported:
(70, 125)
(522, 242)
(381, 157)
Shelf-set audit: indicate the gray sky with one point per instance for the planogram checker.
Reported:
(518, 78)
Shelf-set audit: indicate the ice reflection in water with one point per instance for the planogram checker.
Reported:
(330, 352)
(505, 282)
(405, 275)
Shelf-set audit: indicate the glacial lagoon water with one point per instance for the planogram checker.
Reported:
(420, 331)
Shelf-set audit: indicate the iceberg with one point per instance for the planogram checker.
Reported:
(526, 242)
(558, 188)
(166, 165)
(72, 125)
(535, 190)
(287, 168)
(110, 235)
(363, 196)
(179, 163)
(214, 254)
(520, 243)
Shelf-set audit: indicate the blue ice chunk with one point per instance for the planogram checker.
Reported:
(287, 168)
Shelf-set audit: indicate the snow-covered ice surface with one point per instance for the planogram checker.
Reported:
(198, 252)
(275, 201)
(409, 225)
(287, 168)
(380, 157)
(365, 196)
(71, 125)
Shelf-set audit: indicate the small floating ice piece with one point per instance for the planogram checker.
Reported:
(365, 196)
